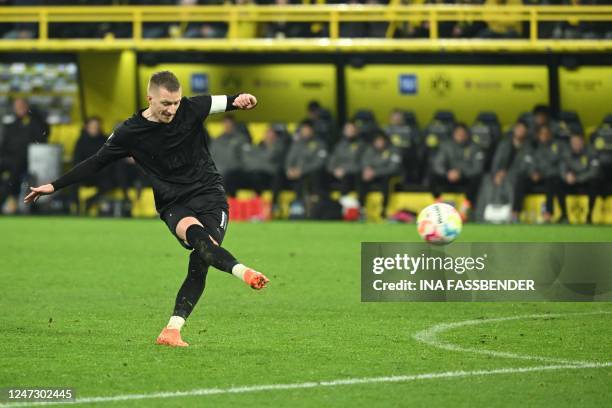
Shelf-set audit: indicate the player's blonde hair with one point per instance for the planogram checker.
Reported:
(164, 79)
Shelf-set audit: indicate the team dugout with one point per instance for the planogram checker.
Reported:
(410, 108)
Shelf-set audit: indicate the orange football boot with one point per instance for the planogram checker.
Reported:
(171, 337)
(255, 279)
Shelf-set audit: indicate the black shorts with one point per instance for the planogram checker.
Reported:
(210, 211)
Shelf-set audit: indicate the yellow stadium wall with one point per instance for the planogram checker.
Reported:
(465, 90)
(110, 81)
(283, 90)
(109, 85)
(588, 91)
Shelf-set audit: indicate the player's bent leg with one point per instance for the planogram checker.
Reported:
(183, 225)
(191, 231)
(220, 258)
(192, 288)
(186, 299)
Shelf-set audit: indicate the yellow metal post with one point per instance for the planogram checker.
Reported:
(334, 26)
(433, 25)
(43, 26)
(137, 26)
(533, 25)
(391, 29)
(232, 31)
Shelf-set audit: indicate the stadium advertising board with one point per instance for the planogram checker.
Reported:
(283, 90)
(587, 91)
(465, 90)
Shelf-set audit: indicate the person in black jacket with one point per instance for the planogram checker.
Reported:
(542, 166)
(91, 140)
(27, 127)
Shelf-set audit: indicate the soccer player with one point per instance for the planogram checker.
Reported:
(167, 141)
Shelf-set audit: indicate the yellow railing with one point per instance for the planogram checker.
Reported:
(333, 15)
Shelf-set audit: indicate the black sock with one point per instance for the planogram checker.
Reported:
(209, 252)
(192, 288)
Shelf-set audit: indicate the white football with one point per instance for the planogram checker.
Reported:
(439, 223)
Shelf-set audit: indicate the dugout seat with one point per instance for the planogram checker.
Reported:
(489, 118)
(526, 117)
(569, 123)
(570, 118)
(366, 123)
(439, 129)
(604, 131)
(577, 206)
(410, 119)
(446, 117)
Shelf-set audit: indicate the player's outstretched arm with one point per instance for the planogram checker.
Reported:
(107, 154)
(245, 101)
(37, 192)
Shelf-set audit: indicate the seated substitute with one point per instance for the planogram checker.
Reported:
(458, 167)
(322, 122)
(263, 164)
(344, 164)
(579, 174)
(305, 162)
(601, 141)
(509, 159)
(380, 161)
(407, 140)
(541, 170)
(226, 151)
(91, 140)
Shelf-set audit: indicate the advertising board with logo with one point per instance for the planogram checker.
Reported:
(465, 90)
(587, 91)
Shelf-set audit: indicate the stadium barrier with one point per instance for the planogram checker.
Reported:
(245, 208)
(242, 22)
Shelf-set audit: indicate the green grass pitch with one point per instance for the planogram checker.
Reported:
(84, 299)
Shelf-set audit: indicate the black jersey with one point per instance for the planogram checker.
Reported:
(174, 155)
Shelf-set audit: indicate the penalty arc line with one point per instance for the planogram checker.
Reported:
(305, 385)
(431, 335)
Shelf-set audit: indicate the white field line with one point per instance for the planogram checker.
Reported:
(332, 383)
(430, 337)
